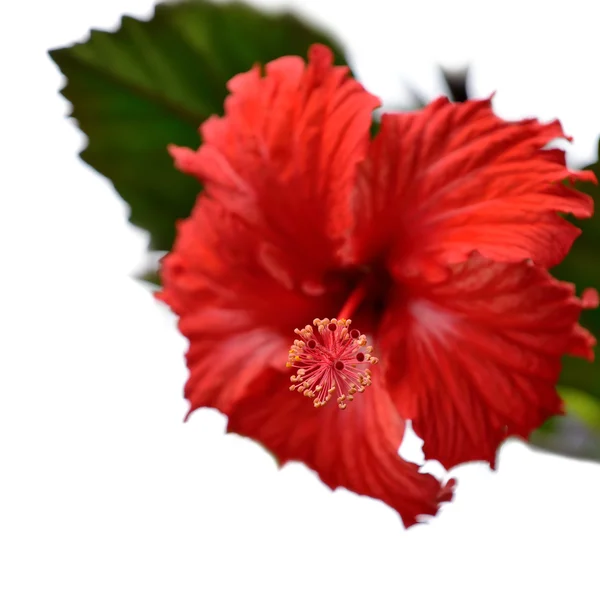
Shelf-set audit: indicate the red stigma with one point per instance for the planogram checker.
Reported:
(330, 360)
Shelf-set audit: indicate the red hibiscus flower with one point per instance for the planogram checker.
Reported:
(426, 247)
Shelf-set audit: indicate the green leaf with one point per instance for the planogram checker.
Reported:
(577, 434)
(152, 83)
(582, 267)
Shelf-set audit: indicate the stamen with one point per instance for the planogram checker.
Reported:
(355, 299)
(331, 359)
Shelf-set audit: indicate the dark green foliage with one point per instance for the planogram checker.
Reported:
(152, 83)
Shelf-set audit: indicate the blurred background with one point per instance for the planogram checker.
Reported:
(104, 493)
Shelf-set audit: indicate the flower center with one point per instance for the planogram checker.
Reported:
(331, 359)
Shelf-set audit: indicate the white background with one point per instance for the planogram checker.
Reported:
(105, 493)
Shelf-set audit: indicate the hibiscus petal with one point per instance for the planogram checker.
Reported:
(235, 306)
(356, 448)
(285, 155)
(254, 259)
(453, 178)
(476, 358)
